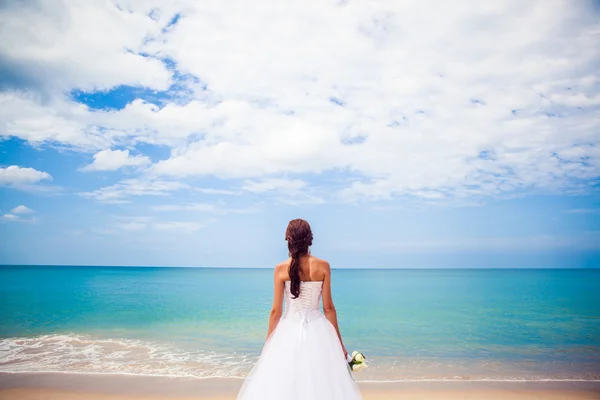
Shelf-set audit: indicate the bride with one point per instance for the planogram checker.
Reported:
(304, 357)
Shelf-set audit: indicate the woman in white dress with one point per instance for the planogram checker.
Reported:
(304, 357)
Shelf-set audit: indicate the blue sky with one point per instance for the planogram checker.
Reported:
(185, 133)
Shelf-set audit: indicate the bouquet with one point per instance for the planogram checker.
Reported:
(356, 362)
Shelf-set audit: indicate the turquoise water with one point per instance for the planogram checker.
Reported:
(203, 322)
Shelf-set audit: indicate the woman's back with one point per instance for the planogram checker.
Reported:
(303, 357)
(306, 305)
(311, 268)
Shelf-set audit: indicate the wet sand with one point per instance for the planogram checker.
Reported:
(59, 386)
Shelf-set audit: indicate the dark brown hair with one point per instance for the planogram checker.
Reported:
(299, 237)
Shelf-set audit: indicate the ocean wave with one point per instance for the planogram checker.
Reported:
(81, 354)
(85, 354)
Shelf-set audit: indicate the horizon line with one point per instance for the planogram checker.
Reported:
(267, 268)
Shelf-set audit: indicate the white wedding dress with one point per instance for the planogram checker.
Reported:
(303, 358)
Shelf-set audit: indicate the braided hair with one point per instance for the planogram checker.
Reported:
(299, 238)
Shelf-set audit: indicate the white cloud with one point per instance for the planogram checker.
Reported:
(57, 121)
(133, 224)
(14, 217)
(122, 191)
(112, 160)
(581, 241)
(22, 210)
(92, 45)
(217, 191)
(286, 191)
(18, 176)
(423, 96)
(269, 185)
(472, 100)
(205, 208)
(178, 226)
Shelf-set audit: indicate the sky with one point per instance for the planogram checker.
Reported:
(410, 134)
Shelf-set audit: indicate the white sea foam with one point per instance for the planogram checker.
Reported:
(84, 354)
(80, 354)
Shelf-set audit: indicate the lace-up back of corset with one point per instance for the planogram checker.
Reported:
(306, 303)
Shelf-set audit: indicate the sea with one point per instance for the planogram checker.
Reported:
(411, 324)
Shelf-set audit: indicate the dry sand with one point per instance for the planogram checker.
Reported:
(49, 386)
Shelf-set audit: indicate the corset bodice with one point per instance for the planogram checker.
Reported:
(306, 304)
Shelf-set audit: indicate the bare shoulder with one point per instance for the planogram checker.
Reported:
(321, 265)
(281, 270)
(319, 261)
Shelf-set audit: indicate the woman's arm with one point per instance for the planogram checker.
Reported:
(277, 306)
(328, 307)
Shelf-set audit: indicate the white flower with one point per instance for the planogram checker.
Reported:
(359, 357)
(358, 367)
(354, 353)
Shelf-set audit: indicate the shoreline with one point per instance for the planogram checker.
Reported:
(367, 381)
(99, 386)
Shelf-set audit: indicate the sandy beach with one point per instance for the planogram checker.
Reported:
(60, 386)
